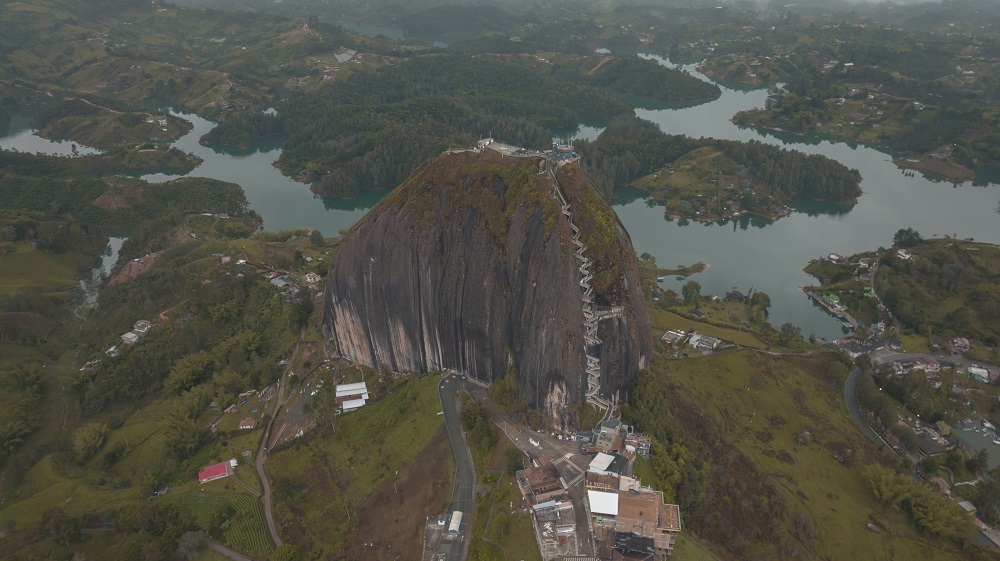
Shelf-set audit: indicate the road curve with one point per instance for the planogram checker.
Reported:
(851, 397)
(463, 493)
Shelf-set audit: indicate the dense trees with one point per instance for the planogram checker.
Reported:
(932, 512)
(630, 148)
(907, 237)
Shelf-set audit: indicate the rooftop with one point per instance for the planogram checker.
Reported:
(603, 503)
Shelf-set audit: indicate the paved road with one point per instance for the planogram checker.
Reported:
(272, 529)
(225, 551)
(564, 454)
(851, 397)
(463, 497)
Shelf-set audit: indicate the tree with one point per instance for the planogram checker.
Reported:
(60, 526)
(979, 462)
(190, 542)
(928, 465)
(89, 439)
(907, 237)
(512, 460)
(316, 238)
(691, 291)
(789, 332)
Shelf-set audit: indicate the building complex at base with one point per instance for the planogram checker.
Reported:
(627, 520)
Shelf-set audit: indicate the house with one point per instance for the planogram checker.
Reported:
(978, 373)
(703, 342)
(130, 338)
(736, 295)
(959, 344)
(215, 471)
(141, 327)
(835, 258)
(674, 338)
(903, 254)
(931, 443)
(248, 424)
(934, 380)
(313, 278)
(699, 314)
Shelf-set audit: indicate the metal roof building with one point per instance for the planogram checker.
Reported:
(347, 390)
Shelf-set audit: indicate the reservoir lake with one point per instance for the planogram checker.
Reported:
(747, 252)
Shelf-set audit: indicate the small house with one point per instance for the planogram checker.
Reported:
(130, 338)
(960, 344)
(215, 471)
(141, 327)
(313, 278)
(248, 424)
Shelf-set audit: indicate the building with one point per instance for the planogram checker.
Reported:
(978, 373)
(313, 278)
(674, 338)
(931, 443)
(959, 344)
(636, 524)
(735, 295)
(141, 327)
(352, 396)
(540, 483)
(130, 338)
(703, 342)
(248, 424)
(215, 471)
(601, 464)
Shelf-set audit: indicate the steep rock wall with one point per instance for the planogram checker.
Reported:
(468, 265)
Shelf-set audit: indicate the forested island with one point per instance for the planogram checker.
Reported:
(710, 179)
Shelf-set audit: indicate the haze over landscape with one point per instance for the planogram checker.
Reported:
(528, 279)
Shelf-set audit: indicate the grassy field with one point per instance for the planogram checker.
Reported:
(661, 320)
(688, 549)
(384, 468)
(28, 268)
(501, 516)
(758, 405)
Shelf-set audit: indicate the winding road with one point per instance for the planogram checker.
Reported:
(463, 497)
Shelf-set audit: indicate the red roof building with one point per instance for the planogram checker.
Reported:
(213, 472)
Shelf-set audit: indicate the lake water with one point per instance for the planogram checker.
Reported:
(744, 253)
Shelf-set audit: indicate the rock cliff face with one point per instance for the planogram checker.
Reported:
(469, 265)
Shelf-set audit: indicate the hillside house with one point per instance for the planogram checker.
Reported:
(248, 424)
(215, 471)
